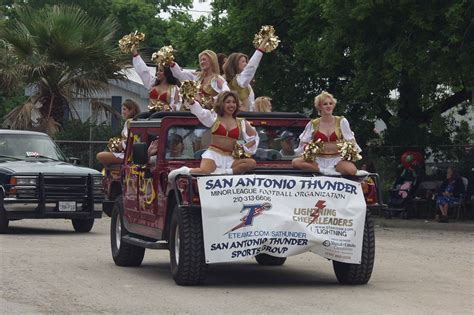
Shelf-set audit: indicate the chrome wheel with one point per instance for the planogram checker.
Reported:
(118, 232)
(176, 245)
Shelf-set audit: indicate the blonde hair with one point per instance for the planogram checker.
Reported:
(262, 104)
(214, 61)
(318, 99)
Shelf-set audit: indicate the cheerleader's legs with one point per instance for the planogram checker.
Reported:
(301, 164)
(107, 158)
(207, 166)
(346, 168)
(243, 165)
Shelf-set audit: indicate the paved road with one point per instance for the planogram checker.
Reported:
(47, 268)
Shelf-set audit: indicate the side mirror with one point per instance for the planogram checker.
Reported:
(140, 153)
(74, 160)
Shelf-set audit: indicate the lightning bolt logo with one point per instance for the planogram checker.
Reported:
(315, 215)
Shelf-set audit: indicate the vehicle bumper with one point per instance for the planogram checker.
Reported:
(16, 209)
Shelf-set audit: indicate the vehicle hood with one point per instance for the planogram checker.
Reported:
(45, 167)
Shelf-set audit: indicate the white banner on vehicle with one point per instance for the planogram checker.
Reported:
(246, 215)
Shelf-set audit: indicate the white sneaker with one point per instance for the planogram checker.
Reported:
(329, 171)
(362, 173)
(182, 170)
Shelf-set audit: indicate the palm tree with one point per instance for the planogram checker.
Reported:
(60, 52)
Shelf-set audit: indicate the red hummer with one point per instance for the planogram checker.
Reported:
(148, 211)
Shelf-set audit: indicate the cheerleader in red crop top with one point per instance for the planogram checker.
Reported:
(329, 129)
(210, 81)
(226, 129)
(163, 86)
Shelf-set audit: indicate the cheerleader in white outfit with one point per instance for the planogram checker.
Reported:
(239, 72)
(211, 83)
(129, 110)
(163, 87)
(226, 129)
(329, 129)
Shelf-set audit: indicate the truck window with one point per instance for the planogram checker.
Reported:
(186, 142)
(277, 143)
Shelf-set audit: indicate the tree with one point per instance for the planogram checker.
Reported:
(61, 51)
(363, 52)
(367, 50)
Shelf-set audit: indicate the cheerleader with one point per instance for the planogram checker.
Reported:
(211, 83)
(226, 129)
(129, 110)
(163, 87)
(239, 72)
(329, 129)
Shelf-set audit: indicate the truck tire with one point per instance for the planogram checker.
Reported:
(359, 273)
(82, 225)
(187, 260)
(267, 260)
(124, 254)
(3, 217)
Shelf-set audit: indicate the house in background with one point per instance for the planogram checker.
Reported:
(114, 95)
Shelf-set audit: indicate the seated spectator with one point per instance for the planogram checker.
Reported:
(368, 185)
(287, 144)
(448, 193)
(174, 146)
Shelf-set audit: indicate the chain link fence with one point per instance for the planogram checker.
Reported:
(86, 151)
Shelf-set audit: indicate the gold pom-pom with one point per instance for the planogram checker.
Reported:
(273, 41)
(348, 151)
(131, 41)
(158, 106)
(164, 57)
(189, 90)
(115, 145)
(312, 150)
(207, 102)
(239, 152)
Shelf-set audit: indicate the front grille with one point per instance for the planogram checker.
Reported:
(59, 187)
(65, 188)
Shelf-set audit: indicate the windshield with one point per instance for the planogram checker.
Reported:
(29, 146)
(276, 143)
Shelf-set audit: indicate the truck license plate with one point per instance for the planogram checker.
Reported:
(67, 206)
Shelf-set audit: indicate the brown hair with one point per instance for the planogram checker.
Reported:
(132, 106)
(221, 59)
(219, 105)
(261, 104)
(231, 66)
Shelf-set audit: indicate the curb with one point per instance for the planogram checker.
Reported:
(460, 226)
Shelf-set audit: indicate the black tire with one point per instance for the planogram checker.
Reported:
(355, 273)
(124, 254)
(3, 218)
(82, 225)
(187, 260)
(267, 260)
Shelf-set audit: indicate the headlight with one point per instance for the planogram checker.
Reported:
(97, 181)
(26, 181)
